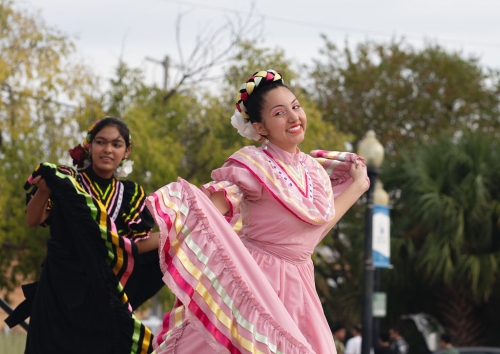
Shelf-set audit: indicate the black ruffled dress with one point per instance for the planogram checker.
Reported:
(93, 276)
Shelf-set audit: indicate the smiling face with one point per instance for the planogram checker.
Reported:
(283, 119)
(108, 149)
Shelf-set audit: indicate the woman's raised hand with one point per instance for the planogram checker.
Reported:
(358, 174)
(40, 183)
(36, 210)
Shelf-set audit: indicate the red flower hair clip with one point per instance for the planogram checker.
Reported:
(78, 155)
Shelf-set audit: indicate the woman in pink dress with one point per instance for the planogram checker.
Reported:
(237, 253)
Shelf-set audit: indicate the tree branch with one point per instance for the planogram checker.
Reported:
(206, 55)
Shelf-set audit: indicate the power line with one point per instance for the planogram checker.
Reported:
(330, 27)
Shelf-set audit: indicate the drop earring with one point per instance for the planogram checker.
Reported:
(264, 145)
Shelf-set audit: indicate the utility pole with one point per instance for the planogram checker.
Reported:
(166, 65)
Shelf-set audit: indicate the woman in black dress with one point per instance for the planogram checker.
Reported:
(93, 276)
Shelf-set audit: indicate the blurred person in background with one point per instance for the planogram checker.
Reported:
(339, 334)
(384, 344)
(353, 345)
(445, 344)
(398, 343)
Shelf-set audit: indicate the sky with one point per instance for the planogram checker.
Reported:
(105, 30)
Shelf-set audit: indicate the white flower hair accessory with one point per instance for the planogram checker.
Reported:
(244, 127)
(124, 169)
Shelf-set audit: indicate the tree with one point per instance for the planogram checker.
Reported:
(213, 48)
(446, 219)
(404, 93)
(43, 89)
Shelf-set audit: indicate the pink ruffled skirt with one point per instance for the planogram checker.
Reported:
(224, 302)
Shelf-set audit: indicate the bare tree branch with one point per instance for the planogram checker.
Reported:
(178, 37)
(212, 48)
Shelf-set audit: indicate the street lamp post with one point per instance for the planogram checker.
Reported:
(380, 198)
(373, 152)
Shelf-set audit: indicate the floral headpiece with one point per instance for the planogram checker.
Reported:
(81, 154)
(240, 119)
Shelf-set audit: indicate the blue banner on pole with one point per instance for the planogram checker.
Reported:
(381, 237)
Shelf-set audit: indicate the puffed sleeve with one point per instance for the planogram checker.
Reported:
(237, 183)
(138, 220)
(337, 166)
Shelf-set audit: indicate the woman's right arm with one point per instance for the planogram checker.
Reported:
(36, 210)
(218, 199)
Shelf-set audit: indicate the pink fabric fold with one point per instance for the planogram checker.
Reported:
(223, 296)
(337, 165)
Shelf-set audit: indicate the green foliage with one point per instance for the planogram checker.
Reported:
(183, 136)
(411, 98)
(446, 219)
(251, 59)
(157, 150)
(37, 73)
(403, 93)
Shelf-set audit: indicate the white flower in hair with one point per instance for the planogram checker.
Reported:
(244, 127)
(124, 170)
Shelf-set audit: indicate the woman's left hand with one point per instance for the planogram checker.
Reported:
(358, 174)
